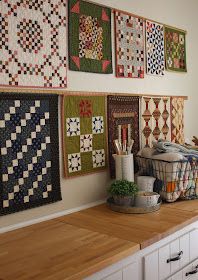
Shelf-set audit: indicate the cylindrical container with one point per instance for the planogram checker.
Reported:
(146, 199)
(145, 183)
(124, 166)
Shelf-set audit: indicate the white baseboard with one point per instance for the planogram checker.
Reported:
(49, 217)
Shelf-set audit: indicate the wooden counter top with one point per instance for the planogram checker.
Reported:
(80, 244)
(57, 251)
(144, 229)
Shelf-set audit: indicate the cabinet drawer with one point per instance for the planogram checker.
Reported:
(172, 257)
(190, 272)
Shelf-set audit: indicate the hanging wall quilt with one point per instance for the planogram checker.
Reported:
(175, 46)
(33, 43)
(123, 119)
(84, 122)
(155, 61)
(89, 37)
(177, 120)
(29, 160)
(129, 47)
(155, 120)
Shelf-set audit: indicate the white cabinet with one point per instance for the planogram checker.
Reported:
(194, 245)
(170, 258)
(115, 276)
(164, 266)
(177, 276)
(149, 262)
(174, 249)
(184, 247)
(173, 258)
(190, 272)
(130, 272)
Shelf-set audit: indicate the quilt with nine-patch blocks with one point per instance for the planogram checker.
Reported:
(84, 134)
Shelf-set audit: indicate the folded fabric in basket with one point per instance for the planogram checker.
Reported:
(165, 146)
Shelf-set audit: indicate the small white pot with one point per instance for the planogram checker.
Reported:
(146, 199)
(145, 183)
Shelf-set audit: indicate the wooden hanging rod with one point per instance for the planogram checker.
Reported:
(125, 12)
(31, 90)
(88, 93)
(69, 92)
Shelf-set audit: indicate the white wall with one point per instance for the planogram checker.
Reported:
(179, 13)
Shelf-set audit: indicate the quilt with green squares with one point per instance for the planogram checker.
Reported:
(84, 126)
(175, 46)
(89, 37)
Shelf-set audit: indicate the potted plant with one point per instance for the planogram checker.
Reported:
(123, 192)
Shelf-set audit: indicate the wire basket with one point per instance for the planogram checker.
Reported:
(174, 179)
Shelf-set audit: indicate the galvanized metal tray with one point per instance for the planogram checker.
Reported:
(132, 209)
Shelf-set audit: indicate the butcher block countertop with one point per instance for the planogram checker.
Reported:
(77, 245)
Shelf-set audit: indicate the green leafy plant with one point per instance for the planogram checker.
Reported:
(123, 188)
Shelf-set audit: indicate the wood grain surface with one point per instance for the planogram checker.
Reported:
(144, 229)
(77, 245)
(57, 251)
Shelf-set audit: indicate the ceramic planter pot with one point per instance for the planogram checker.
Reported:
(145, 183)
(124, 200)
(146, 199)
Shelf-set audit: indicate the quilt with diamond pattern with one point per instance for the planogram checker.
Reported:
(155, 61)
(177, 120)
(89, 37)
(129, 41)
(84, 126)
(175, 46)
(33, 43)
(29, 160)
(155, 119)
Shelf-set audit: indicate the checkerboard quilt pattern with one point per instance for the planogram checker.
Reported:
(84, 126)
(33, 43)
(155, 60)
(89, 37)
(129, 41)
(29, 164)
(175, 46)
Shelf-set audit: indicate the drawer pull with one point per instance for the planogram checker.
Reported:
(193, 271)
(177, 258)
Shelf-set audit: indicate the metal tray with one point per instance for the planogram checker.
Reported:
(132, 209)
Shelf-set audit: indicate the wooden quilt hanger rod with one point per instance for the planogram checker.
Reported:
(91, 93)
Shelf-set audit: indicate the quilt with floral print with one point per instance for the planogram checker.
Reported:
(89, 37)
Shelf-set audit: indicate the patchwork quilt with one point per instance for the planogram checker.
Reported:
(155, 60)
(84, 132)
(129, 41)
(89, 37)
(33, 43)
(177, 120)
(123, 117)
(175, 46)
(29, 160)
(155, 119)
